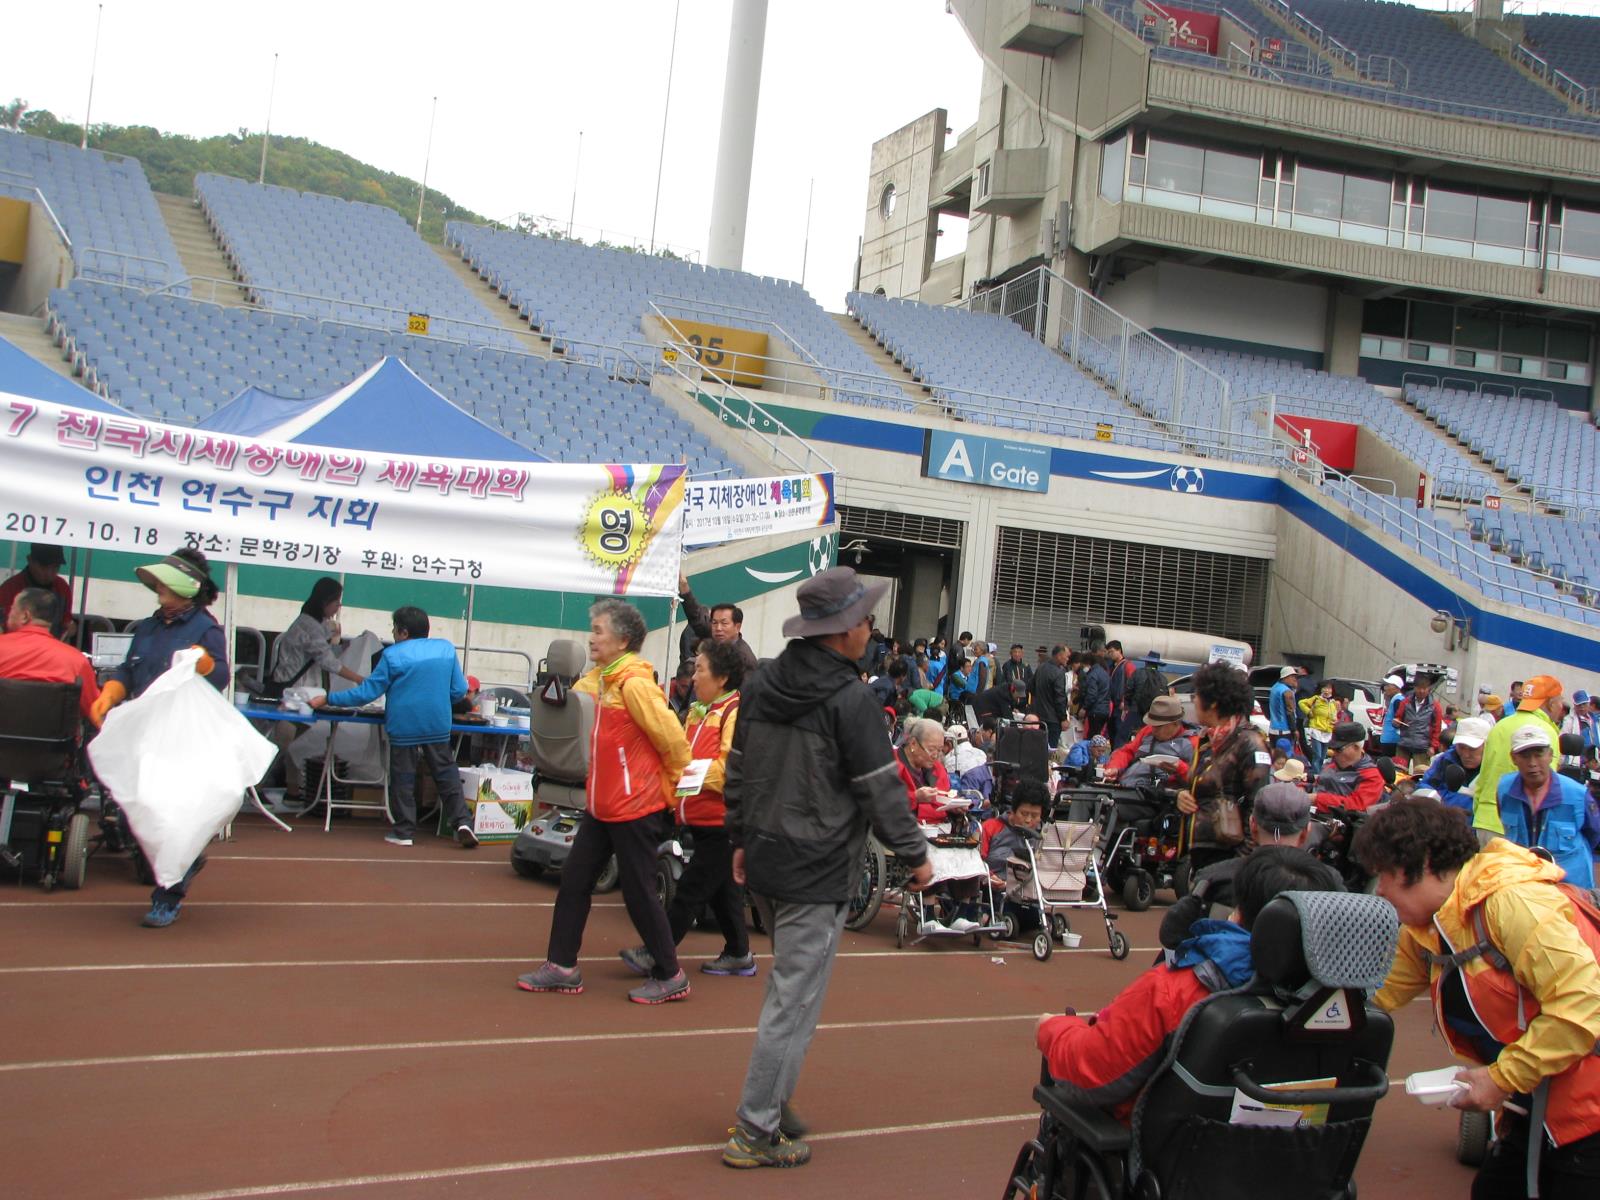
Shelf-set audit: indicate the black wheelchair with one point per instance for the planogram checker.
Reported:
(44, 833)
(1215, 1121)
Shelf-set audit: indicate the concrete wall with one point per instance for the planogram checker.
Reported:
(47, 264)
(897, 250)
(1227, 304)
(1345, 593)
(1096, 507)
(1376, 459)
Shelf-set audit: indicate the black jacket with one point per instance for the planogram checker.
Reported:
(810, 769)
(1019, 671)
(1050, 692)
(1097, 692)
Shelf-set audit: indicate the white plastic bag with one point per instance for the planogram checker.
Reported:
(177, 760)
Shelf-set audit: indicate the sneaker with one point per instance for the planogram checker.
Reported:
(638, 960)
(789, 1123)
(394, 839)
(161, 915)
(551, 978)
(932, 926)
(659, 991)
(746, 1149)
(729, 964)
(962, 925)
(465, 836)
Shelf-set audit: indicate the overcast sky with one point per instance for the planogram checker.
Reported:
(516, 82)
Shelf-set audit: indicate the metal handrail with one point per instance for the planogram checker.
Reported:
(653, 360)
(33, 192)
(1465, 558)
(122, 257)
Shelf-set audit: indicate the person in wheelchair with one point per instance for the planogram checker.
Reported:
(1510, 955)
(29, 649)
(1109, 1057)
(1029, 800)
(1163, 734)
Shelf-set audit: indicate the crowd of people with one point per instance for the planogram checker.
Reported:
(1477, 826)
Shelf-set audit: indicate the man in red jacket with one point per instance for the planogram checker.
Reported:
(1350, 779)
(1105, 1059)
(29, 650)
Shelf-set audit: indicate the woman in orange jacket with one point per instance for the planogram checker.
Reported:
(636, 754)
(708, 879)
(1510, 958)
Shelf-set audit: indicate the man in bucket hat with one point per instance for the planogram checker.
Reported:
(1163, 733)
(808, 773)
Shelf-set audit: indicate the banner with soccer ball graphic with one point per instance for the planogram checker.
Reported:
(73, 477)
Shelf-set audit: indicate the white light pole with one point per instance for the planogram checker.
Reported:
(573, 211)
(661, 158)
(266, 135)
(736, 141)
(427, 157)
(94, 62)
(805, 251)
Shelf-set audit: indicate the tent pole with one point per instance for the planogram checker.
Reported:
(231, 623)
(466, 644)
(83, 598)
(672, 654)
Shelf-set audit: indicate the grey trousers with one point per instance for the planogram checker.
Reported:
(805, 939)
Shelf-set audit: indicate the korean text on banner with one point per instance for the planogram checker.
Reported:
(80, 478)
(725, 510)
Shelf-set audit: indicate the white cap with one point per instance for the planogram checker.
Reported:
(1472, 731)
(956, 733)
(1395, 681)
(1530, 736)
(1288, 671)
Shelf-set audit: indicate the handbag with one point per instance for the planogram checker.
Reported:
(1227, 822)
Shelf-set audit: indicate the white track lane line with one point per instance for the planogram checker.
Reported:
(467, 1044)
(995, 951)
(577, 1160)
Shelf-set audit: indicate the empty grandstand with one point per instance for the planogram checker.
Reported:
(320, 256)
(104, 205)
(177, 360)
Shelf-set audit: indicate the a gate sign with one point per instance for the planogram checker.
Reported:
(987, 462)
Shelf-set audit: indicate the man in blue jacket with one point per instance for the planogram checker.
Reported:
(1389, 739)
(1282, 703)
(423, 680)
(1466, 752)
(1541, 808)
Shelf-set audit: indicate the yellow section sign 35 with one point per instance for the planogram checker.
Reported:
(736, 355)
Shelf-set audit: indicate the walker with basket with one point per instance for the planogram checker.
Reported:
(953, 852)
(1062, 872)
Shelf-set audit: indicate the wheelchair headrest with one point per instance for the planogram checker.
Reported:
(565, 658)
(1335, 939)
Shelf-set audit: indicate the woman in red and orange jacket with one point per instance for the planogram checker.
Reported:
(708, 879)
(636, 754)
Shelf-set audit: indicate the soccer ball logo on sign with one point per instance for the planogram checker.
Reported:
(1187, 479)
(820, 556)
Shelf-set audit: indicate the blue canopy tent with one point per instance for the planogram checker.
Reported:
(23, 375)
(387, 408)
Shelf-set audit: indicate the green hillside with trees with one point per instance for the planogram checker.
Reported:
(172, 160)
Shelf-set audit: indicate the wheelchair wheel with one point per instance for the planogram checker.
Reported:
(902, 927)
(608, 877)
(666, 885)
(1472, 1139)
(1138, 889)
(1011, 928)
(74, 860)
(1119, 945)
(1060, 926)
(1043, 945)
(868, 896)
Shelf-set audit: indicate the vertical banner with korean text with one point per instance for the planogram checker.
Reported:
(78, 478)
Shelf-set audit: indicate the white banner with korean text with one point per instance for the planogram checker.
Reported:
(726, 510)
(78, 478)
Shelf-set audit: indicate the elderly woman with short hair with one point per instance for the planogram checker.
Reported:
(637, 753)
(921, 762)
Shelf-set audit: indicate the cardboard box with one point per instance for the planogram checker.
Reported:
(499, 800)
